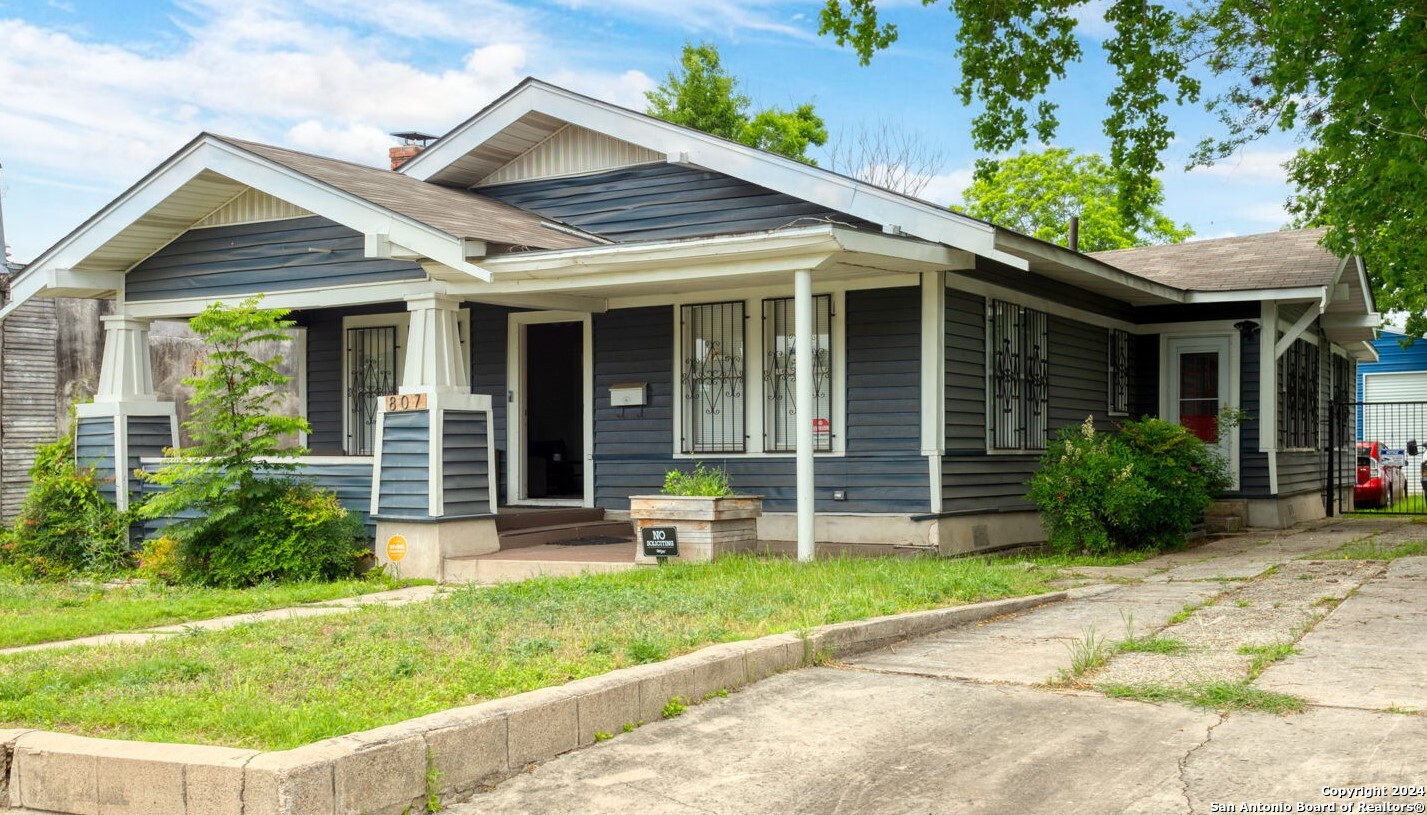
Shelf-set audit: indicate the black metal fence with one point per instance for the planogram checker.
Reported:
(1385, 468)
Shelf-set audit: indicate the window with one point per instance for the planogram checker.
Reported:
(780, 380)
(1342, 396)
(1298, 396)
(712, 371)
(1119, 372)
(372, 372)
(1018, 372)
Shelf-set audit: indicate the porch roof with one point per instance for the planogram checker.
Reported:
(1275, 260)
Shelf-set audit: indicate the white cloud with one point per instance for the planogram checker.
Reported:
(698, 16)
(1250, 166)
(359, 143)
(1090, 19)
(1266, 212)
(946, 188)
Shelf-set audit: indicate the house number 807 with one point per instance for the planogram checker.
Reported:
(397, 403)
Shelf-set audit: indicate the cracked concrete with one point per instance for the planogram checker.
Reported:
(962, 721)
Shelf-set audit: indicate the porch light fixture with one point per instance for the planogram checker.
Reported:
(1248, 328)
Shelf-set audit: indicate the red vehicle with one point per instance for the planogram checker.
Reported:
(1379, 485)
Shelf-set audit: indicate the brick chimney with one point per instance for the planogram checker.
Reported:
(412, 143)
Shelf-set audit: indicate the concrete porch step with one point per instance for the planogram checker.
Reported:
(548, 559)
(541, 535)
(510, 519)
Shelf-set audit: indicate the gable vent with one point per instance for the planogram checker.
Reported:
(252, 206)
(571, 150)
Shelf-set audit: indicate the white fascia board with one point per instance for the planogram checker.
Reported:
(296, 300)
(785, 175)
(1240, 295)
(812, 244)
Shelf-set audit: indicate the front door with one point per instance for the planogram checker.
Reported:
(548, 430)
(1200, 388)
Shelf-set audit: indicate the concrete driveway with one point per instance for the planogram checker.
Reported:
(984, 719)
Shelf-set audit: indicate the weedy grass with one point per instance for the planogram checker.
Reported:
(1372, 549)
(279, 685)
(35, 612)
(1266, 655)
(1220, 696)
(1153, 645)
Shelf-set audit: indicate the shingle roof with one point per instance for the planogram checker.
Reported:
(455, 212)
(1275, 260)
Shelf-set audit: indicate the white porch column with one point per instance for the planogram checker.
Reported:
(433, 347)
(803, 373)
(126, 421)
(433, 471)
(126, 374)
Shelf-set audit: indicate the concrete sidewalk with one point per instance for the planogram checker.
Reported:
(963, 721)
(340, 605)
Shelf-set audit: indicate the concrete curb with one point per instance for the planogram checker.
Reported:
(451, 754)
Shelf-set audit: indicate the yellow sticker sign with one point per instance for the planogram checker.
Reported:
(395, 548)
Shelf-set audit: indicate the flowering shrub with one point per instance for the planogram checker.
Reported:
(1143, 488)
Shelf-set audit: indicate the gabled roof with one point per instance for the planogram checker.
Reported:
(1274, 260)
(458, 213)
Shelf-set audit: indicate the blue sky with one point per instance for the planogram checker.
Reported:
(95, 93)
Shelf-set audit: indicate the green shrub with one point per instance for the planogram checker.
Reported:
(244, 519)
(712, 482)
(281, 531)
(65, 525)
(1143, 488)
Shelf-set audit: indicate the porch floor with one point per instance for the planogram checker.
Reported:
(544, 559)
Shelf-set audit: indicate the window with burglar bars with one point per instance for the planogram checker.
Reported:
(1019, 374)
(1119, 401)
(371, 355)
(1343, 387)
(780, 430)
(1298, 396)
(712, 378)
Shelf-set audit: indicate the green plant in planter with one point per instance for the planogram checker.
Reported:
(707, 482)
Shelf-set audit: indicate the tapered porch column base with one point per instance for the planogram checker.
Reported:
(419, 548)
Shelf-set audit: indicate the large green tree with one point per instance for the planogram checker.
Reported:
(1037, 193)
(704, 96)
(1346, 77)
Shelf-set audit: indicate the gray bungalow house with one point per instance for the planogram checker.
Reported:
(560, 299)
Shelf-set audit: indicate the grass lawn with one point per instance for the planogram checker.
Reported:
(32, 612)
(279, 685)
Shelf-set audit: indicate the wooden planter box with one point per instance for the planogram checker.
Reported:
(708, 527)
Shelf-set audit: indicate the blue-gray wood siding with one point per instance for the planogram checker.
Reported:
(965, 372)
(490, 340)
(882, 470)
(466, 472)
(261, 257)
(997, 274)
(350, 480)
(404, 482)
(1196, 312)
(662, 201)
(149, 436)
(974, 480)
(1253, 465)
(326, 358)
(94, 447)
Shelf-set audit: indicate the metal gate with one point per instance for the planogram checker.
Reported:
(1381, 463)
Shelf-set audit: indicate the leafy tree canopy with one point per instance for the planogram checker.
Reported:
(1037, 193)
(704, 96)
(1345, 76)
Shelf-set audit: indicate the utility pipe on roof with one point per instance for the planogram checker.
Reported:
(806, 409)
